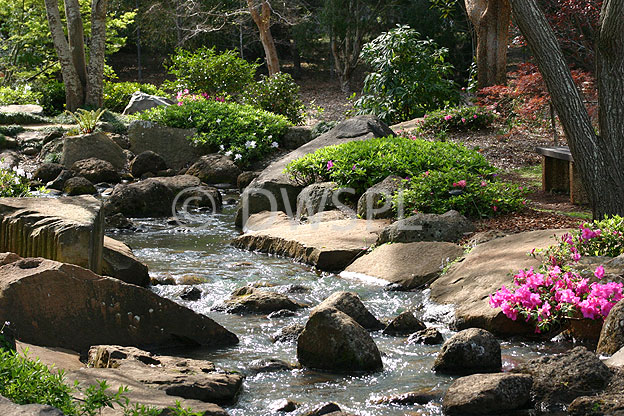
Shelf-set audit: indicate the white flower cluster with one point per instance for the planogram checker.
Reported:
(250, 144)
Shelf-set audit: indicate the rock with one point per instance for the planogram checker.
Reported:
(288, 334)
(351, 304)
(163, 280)
(612, 335)
(121, 140)
(114, 356)
(283, 313)
(67, 229)
(429, 336)
(59, 182)
(189, 187)
(215, 168)
(469, 351)
(283, 405)
(173, 145)
(96, 170)
(327, 216)
(609, 402)
(405, 265)
(329, 246)
(376, 202)
(404, 324)
(141, 101)
(450, 226)
(296, 137)
(30, 151)
(145, 162)
(119, 262)
(268, 365)
(483, 271)
(558, 380)
(49, 302)
(191, 280)
(411, 398)
(273, 181)
(488, 394)
(616, 360)
(79, 186)
(244, 179)
(191, 294)
(334, 342)
(260, 302)
(94, 145)
(33, 109)
(9, 159)
(485, 236)
(119, 221)
(266, 220)
(317, 197)
(326, 409)
(48, 172)
(8, 408)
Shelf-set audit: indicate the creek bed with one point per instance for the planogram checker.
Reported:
(201, 249)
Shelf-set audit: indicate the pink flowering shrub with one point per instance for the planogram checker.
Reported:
(456, 119)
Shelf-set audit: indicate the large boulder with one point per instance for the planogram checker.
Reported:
(215, 168)
(78, 185)
(351, 304)
(488, 394)
(559, 379)
(174, 145)
(141, 101)
(334, 342)
(273, 185)
(96, 170)
(147, 162)
(120, 263)
(405, 266)
(317, 197)
(609, 402)
(94, 145)
(8, 408)
(68, 229)
(469, 283)
(330, 246)
(48, 172)
(296, 137)
(469, 351)
(612, 334)
(49, 303)
(376, 202)
(450, 226)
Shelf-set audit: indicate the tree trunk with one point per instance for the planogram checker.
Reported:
(74, 88)
(97, 56)
(491, 19)
(263, 21)
(599, 159)
(75, 36)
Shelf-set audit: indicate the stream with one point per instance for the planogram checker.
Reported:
(201, 249)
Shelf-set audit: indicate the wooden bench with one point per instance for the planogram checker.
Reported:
(559, 173)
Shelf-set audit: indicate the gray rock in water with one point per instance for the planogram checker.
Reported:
(488, 394)
(283, 405)
(260, 302)
(351, 304)
(469, 351)
(78, 185)
(268, 365)
(96, 170)
(404, 324)
(429, 336)
(317, 197)
(94, 145)
(215, 168)
(48, 172)
(141, 101)
(119, 262)
(332, 341)
(376, 202)
(145, 162)
(191, 294)
(288, 334)
(244, 179)
(450, 226)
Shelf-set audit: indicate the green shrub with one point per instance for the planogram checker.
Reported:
(117, 94)
(204, 70)
(457, 119)
(19, 94)
(12, 130)
(14, 183)
(408, 77)
(278, 94)
(21, 118)
(241, 131)
(52, 97)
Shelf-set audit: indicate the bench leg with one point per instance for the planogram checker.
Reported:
(555, 175)
(578, 195)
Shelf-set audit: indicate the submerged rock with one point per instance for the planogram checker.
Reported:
(404, 324)
(289, 333)
(469, 351)
(429, 336)
(261, 302)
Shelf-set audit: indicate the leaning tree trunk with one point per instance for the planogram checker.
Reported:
(491, 19)
(263, 21)
(97, 47)
(599, 159)
(75, 32)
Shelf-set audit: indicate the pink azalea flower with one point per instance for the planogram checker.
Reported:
(448, 117)
(483, 183)
(463, 120)
(600, 272)
(475, 116)
(330, 165)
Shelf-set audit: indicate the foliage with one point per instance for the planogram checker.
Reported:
(19, 94)
(86, 120)
(240, 131)
(205, 70)
(278, 94)
(14, 183)
(322, 127)
(21, 118)
(475, 195)
(408, 77)
(52, 96)
(456, 119)
(12, 130)
(117, 94)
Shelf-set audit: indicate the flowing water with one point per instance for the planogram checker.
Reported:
(201, 249)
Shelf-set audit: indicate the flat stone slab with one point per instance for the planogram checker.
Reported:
(69, 229)
(22, 108)
(469, 283)
(330, 246)
(406, 265)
